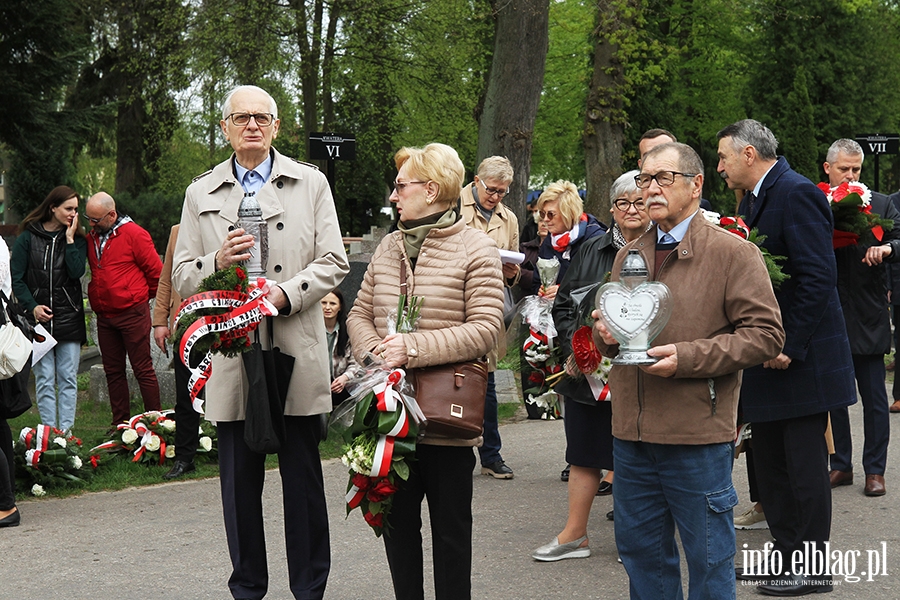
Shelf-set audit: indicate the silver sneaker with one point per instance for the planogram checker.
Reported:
(751, 520)
(555, 551)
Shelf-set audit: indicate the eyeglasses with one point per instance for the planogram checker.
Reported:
(94, 221)
(623, 205)
(243, 119)
(663, 178)
(549, 215)
(400, 185)
(493, 191)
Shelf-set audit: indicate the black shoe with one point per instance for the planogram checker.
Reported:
(12, 520)
(497, 470)
(609, 515)
(797, 585)
(180, 468)
(564, 476)
(605, 489)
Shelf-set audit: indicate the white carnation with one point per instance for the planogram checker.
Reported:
(76, 462)
(38, 490)
(61, 442)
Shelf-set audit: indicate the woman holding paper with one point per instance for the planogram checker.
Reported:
(48, 261)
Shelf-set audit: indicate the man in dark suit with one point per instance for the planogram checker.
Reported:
(894, 286)
(788, 398)
(863, 292)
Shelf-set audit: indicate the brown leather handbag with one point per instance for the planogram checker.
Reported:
(451, 396)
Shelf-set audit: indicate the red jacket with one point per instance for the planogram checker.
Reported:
(126, 273)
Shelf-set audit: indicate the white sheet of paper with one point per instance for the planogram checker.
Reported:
(39, 349)
(508, 256)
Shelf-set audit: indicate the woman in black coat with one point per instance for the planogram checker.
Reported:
(48, 261)
(588, 420)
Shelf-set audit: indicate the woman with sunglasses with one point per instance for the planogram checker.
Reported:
(588, 421)
(561, 208)
(48, 261)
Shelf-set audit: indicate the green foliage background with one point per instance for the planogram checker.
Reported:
(125, 96)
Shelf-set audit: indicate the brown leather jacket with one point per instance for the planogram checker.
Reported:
(724, 318)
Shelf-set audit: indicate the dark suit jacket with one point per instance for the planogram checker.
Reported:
(863, 289)
(893, 271)
(795, 217)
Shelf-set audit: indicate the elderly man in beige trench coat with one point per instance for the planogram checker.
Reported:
(306, 259)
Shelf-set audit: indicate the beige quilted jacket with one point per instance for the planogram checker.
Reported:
(459, 276)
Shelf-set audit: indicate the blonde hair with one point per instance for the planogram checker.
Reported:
(569, 202)
(496, 167)
(438, 163)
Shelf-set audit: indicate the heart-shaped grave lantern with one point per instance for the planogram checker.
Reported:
(634, 310)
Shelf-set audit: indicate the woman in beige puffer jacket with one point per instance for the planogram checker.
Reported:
(456, 270)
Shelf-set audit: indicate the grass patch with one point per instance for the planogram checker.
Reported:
(93, 419)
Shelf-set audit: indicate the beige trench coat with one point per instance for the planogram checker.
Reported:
(306, 259)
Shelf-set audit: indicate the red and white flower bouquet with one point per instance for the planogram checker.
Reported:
(49, 457)
(854, 221)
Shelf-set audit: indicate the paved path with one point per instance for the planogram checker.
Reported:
(167, 541)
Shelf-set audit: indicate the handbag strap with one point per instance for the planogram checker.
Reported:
(403, 286)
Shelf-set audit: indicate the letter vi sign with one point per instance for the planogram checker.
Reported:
(332, 146)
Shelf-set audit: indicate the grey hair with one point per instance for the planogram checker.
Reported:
(849, 147)
(624, 185)
(226, 105)
(496, 167)
(688, 159)
(750, 132)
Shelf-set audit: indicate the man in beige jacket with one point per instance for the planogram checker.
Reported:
(306, 260)
(481, 206)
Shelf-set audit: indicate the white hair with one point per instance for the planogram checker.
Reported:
(226, 105)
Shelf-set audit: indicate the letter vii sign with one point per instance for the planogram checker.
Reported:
(332, 146)
(879, 143)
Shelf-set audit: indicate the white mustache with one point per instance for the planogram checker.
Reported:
(660, 200)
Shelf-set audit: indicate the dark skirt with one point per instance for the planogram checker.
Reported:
(589, 440)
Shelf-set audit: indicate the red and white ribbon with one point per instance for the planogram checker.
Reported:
(244, 314)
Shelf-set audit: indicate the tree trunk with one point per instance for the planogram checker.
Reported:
(513, 90)
(604, 117)
(131, 113)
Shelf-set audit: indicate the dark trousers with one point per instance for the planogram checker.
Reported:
(7, 468)
(443, 476)
(791, 460)
(187, 420)
(489, 451)
(128, 332)
(242, 473)
(876, 419)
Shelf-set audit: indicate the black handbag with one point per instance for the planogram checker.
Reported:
(15, 398)
(268, 376)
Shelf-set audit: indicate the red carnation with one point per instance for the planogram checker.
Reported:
(381, 491)
(374, 520)
(536, 377)
(95, 460)
(587, 356)
(240, 273)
